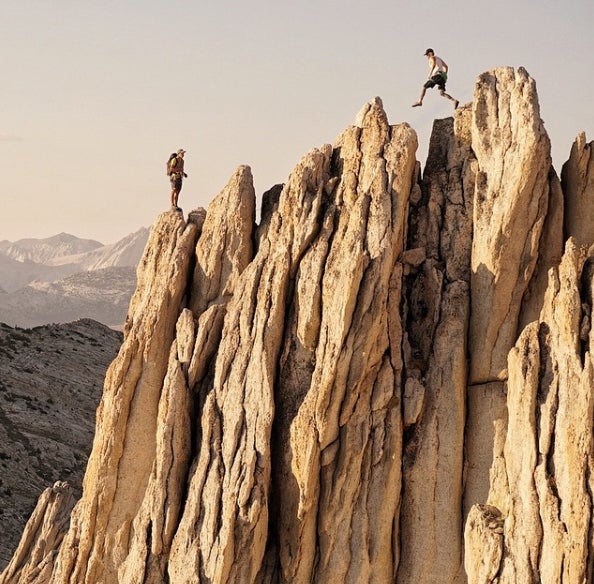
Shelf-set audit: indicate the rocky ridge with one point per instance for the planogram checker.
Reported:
(387, 380)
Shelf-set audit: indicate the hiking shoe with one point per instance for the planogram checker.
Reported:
(417, 104)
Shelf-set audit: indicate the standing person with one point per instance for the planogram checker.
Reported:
(175, 170)
(438, 75)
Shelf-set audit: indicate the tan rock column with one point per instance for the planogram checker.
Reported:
(435, 348)
(541, 484)
(577, 177)
(510, 205)
(33, 560)
(222, 535)
(223, 251)
(125, 445)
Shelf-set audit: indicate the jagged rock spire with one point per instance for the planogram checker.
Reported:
(510, 205)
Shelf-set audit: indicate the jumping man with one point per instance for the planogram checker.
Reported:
(438, 75)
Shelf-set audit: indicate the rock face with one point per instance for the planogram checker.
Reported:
(511, 200)
(42, 536)
(577, 176)
(541, 484)
(377, 383)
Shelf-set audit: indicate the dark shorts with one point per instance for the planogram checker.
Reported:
(436, 80)
(176, 183)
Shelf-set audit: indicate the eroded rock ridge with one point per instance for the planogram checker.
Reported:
(387, 380)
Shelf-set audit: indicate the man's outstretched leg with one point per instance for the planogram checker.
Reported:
(420, 100)
(456, 102)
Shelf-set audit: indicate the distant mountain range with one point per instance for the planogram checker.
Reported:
(42, 251)
(65, 278)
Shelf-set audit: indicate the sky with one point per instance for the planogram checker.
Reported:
(96, 93)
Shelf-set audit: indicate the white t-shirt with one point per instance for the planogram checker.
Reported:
(438, 67)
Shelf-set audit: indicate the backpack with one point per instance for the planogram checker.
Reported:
(171, 163)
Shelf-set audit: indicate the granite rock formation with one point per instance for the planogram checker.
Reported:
(387, 380)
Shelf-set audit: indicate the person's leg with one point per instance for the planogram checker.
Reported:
(456, 102)
(177, 185)
(420, 100)
(428, 85)
(178, 188)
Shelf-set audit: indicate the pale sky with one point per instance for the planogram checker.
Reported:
(97, 93)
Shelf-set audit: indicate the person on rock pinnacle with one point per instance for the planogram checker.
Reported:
(438, 75)
(175, 170)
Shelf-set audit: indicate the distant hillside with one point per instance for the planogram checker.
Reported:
(102, 295)
(15, 274)
(51, 379)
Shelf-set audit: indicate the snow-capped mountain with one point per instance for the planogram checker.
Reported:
(125, 252)
(42, 251)
(76, 279)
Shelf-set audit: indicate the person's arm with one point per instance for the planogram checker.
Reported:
(445, 65)
(431, 66)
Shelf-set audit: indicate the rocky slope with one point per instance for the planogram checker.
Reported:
(387, 380)
(50, 386)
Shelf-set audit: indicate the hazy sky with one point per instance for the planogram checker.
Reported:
(97, 93)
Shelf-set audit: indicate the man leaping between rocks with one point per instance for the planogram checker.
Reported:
(438, 75)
